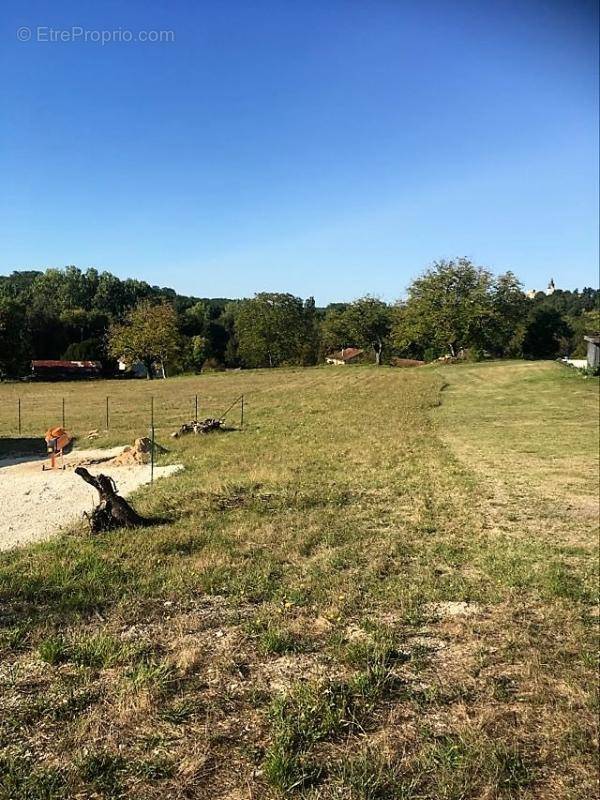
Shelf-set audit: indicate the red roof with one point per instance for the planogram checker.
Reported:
(57, 364)
(347, 354)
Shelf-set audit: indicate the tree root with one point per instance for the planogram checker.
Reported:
(112, 511)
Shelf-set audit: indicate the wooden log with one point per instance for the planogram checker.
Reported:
(196, 427)
(207, 425)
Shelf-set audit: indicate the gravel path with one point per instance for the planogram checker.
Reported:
(36, 504)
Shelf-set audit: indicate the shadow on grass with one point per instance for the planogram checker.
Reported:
(12, 447)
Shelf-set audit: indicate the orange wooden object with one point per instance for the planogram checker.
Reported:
(56, 441)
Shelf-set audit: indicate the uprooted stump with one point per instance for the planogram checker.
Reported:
(113, 511)
(203, 426)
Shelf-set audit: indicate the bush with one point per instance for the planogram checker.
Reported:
(212, 365)
(431, 354)
(474, 354)
(87, 350)
(590, 372)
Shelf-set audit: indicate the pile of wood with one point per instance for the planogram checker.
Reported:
(199, 426)
(406, 362)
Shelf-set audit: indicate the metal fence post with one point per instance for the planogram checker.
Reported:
(152, 440)
(107, 413)
(196, 415)
(63, 412)
(242, 413)
(19, 406)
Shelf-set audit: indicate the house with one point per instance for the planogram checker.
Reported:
(135, 369)
(57, 370)
(347, 355)
(593, 351)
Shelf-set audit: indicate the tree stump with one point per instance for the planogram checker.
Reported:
(112, 511)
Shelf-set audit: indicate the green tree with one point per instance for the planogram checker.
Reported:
(111, 297)
(80, 324)
(18, 285)
(335, 330)
(194, 319)
(271, 329)
(586, 324)
(198, 353)
(368, 324)
(311, 342)
(84, 350)
(14, 339)
(510, 308)
(546, 334)
(450, 307)
(48, 293)
(149, 333)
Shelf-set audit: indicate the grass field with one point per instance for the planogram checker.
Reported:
(129, 404)
(384, 587)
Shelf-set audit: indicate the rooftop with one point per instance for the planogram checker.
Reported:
(346, 354)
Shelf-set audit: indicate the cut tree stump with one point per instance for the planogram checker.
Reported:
(113, 511)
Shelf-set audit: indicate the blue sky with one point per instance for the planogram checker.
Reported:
(321, 147)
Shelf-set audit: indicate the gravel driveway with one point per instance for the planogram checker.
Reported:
(36, 504)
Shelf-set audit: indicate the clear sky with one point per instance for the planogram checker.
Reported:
(322, 147)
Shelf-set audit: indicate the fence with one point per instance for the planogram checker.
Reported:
(32, 415)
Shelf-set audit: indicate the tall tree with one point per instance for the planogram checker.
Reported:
(368, 323)
(509, 312)
(110, 296)
(335, 330)
(271, 329)
(14, 341)
(547, 332)
(448, 308)
(149, 334)
(311, 340)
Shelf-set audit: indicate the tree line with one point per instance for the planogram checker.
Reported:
(455, 307)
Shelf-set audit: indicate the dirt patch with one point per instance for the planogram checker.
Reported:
(279, 674)
(36, 504)
(138, 453)
(458, 608)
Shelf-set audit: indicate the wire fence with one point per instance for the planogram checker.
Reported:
(32, 415)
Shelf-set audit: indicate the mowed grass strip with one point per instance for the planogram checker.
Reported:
(356, 596)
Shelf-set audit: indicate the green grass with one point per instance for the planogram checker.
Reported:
(98, 650)
(526, 420)
(290, 627)
(21, 779)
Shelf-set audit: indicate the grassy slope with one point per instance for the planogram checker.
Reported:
(281, 634)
